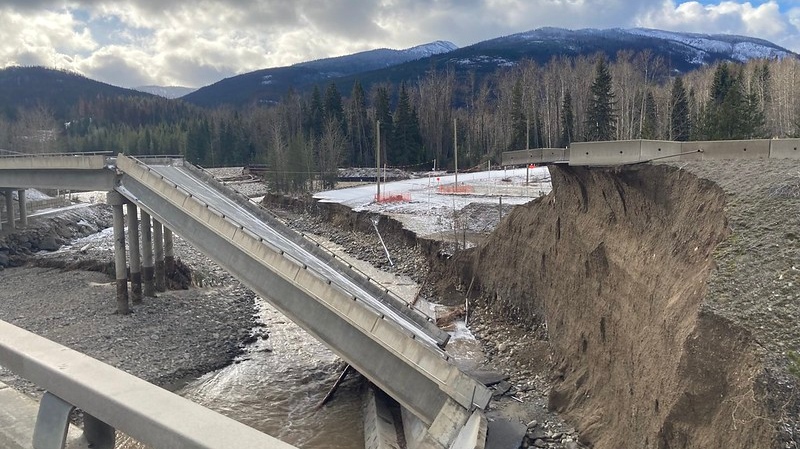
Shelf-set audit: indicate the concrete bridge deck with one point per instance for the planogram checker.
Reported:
(393, 345)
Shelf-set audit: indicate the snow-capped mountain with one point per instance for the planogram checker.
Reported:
(682, 52)
(740, 48)
(166, 91)
(376, 59)
(433, 48)
(268, 85)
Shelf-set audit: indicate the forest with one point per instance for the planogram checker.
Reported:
(308, 135)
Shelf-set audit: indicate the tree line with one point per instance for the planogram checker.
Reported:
(307, 136)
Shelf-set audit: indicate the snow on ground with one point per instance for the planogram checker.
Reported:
(429, 210)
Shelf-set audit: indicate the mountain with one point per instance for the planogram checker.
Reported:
(166, 91)
(682, 52)
(58, 90)
(271, 84)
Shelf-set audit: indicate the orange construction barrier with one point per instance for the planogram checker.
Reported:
(392, 197)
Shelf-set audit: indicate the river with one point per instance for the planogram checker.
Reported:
(277, 384)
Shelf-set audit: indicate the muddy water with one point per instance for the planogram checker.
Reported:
(277, 385)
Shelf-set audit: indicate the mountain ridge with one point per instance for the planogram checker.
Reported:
(682, 51)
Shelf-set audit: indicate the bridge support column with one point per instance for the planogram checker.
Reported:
(1, 218)
(147, 257)
(23, 208)
(158, 244)
(169, 253)
(136, 262)
(116, 201)
(441, 433)
(10, 210)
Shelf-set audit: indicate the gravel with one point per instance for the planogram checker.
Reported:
(166, 340)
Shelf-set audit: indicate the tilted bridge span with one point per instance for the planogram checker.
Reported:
(396, 347)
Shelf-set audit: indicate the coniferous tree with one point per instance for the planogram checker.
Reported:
(332, 106)
(679, 121)
(313, 114)
(406, 143)
(601, 115)
(519, 123)
(727, 113)
(650, 119)
(359, 129)
(383, 114)
(567, 121)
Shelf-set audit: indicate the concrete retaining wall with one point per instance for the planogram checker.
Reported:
(726, 149)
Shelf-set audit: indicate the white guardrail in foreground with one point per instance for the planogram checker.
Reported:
(113, 399)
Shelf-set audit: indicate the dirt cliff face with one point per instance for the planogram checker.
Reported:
(617, 264)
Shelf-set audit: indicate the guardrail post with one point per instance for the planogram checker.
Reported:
(147, 256)
(23, 208)
(133, 245)
(10, 210)
(52, 422)
(116, 201)
(158, 244)
(99, 434)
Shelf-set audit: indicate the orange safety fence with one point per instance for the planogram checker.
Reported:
(392, 197)
(455, 189)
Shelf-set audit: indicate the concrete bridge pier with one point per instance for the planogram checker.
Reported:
(23, 208)
(158, 244)
(135, 259)
(169, 252)
(148, 289)
(116, 201)
(10, 210)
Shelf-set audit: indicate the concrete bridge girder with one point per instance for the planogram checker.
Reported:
(413, 373)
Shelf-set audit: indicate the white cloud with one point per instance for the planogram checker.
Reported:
(765, 20)
(195, 43)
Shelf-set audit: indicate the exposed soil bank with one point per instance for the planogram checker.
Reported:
(654, 305)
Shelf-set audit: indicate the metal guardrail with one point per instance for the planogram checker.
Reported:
(315, 247)
(113, 399)
(359, 332)
(13, 154)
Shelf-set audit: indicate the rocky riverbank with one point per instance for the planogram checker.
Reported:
(179, 335)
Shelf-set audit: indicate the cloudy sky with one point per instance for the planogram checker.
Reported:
(195, 43)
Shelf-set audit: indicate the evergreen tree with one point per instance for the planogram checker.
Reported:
(727, 114)
(679, 121)
(313, 114)
(567, 121)
(601, 115)
(519, 123)
(383, 114)
(359, 130)
(650, 119)
(406, 142)
(333, 105)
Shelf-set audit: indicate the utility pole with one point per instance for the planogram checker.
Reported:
(378, 161)
(455, 149)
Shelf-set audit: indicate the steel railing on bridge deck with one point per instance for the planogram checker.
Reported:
(112, 399)
(402, 361)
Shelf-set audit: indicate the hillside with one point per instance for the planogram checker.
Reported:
(666, 294)
(269, 85)
(682, 52)
(60, 91)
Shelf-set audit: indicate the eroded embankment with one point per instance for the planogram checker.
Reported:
(617, 263)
